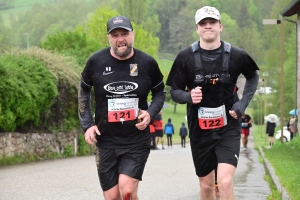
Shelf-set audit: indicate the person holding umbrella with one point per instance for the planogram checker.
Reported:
(291, 126)
(292, 123)
(271, 119)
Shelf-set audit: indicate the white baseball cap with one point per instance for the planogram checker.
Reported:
(207, 12)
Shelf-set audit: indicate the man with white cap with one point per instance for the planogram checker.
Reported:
(122, 78)
(204, 76)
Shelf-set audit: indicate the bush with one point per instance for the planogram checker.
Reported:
(75, 44)
(45, 84)
(63, 115)
(27, 89)
(69, 151)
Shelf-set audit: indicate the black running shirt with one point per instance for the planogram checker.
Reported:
(182, 78)
(118, 85)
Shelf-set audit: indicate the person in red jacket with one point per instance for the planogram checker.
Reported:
(158, 124)
(153, 135)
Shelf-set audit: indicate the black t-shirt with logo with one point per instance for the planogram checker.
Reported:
(121, 79)
(182, 77)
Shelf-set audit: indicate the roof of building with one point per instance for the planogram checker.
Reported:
(292, 9)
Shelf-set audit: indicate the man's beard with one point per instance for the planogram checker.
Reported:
(125, 53)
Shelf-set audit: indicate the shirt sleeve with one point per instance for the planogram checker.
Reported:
(157, 91)
(84, 97)
(177, 80)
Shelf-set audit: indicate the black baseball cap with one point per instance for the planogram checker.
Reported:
(119, 22)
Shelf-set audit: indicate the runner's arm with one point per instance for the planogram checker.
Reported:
(180, 96)
(158, 99)
(84, 106)
(249, 90)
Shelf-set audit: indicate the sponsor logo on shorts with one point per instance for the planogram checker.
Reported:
(236, 156)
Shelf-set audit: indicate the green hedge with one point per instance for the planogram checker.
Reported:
(39, 93)
(27, 89)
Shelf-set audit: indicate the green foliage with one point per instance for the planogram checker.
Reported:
(146, 41)
(290, 75)
(285, 159)
(295, 143)
(64, 69)
(49, 154)
(59, 115)
(96, 24)
(244, 17)
(72, 43)
(25, 158)
(135, 10)
(4, 36)
(258, 116)
(151, 24)
(271, 44)
(62, 116)
(83, 147)
(68, 151)
(27, 90)
(229, 30)
(275, 194)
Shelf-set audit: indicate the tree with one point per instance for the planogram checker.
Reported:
(271, 44)
(72, 43)
(230, 29)
(166, 11)
(244, 17)
(134, 9)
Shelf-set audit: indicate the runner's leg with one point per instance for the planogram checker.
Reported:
(207, 186)
(225, 180)
(112, 193)
(128, 187)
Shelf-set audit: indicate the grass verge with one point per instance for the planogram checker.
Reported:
(285, 160)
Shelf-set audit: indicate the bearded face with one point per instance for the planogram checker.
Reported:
(121, 42)
(122, 50)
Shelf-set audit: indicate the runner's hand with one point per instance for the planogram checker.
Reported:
(145, 119)
(233, 114)
(196, 95)
(90, 135)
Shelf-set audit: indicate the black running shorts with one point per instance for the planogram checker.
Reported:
(112, 162)
(159, 133)
(208, 153)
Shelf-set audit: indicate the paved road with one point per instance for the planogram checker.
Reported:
(169, 175)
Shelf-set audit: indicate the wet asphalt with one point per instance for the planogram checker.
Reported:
(169, 175)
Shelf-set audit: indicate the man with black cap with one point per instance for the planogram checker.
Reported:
(204, 76)
(122, 77)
